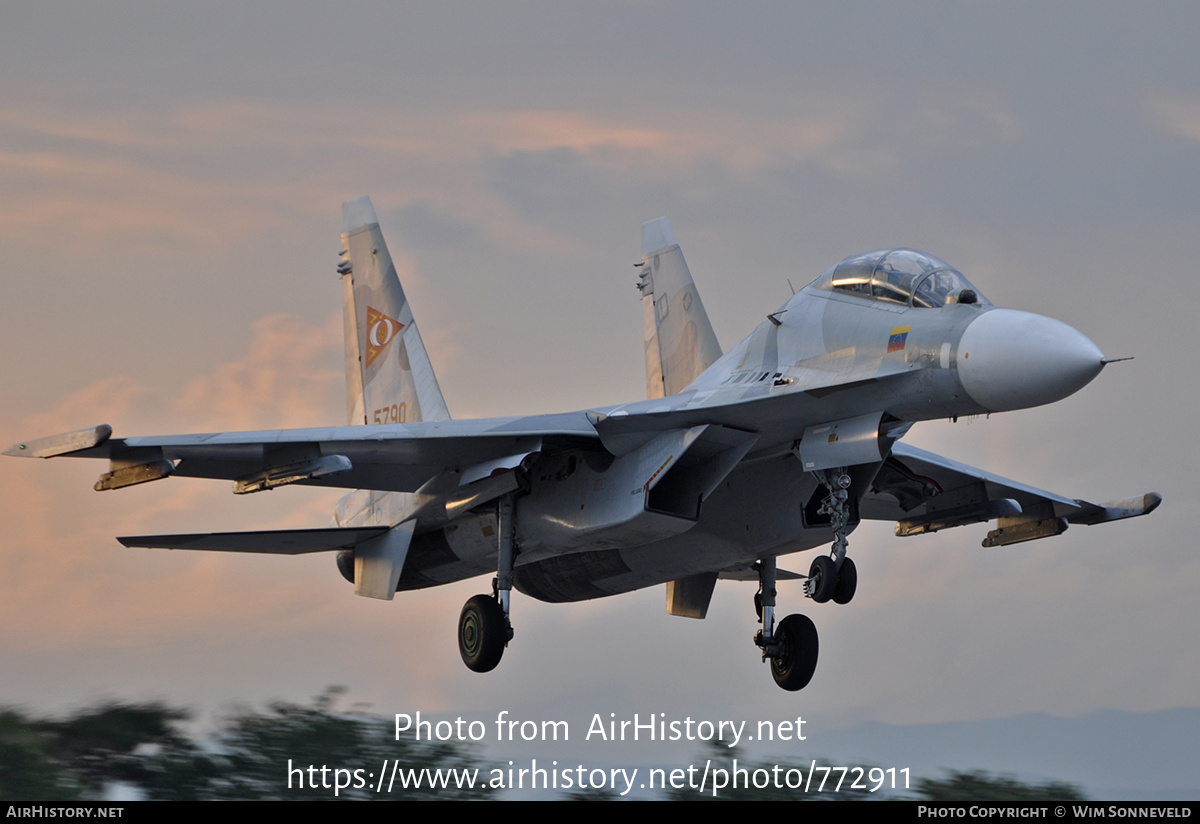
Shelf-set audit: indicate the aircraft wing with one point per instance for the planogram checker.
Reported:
(394, 457)
(923, 492)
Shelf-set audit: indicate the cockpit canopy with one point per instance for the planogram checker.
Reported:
(903, 276)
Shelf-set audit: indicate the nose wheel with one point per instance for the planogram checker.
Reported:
(826, 582)
(822, 579)
(834, 577)
(847, 582)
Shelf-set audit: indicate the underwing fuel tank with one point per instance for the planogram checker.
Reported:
(1014, 360)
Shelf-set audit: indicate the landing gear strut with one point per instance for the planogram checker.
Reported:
(484, 627)
(792, 646)
(834, 576)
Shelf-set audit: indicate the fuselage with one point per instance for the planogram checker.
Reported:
(895, 332)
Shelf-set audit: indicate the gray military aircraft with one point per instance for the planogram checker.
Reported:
(782, 444)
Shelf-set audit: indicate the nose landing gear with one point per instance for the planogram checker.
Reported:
(834, 576)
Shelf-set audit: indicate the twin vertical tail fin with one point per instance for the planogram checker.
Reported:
(389, 378)
(680, 342)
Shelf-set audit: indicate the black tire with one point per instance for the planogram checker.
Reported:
(847, 583)
(482, 633)
(824, 572)
(796, 662)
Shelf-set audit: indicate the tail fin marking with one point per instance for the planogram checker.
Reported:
(389, 378)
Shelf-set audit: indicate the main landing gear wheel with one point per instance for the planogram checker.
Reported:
(482, 633)
(796, 660)
(484, 627)
(822, 579)
(847, 582)
(791, 646)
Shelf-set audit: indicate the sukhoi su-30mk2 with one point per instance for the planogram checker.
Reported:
(782, 444)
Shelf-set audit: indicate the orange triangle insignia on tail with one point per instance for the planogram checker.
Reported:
(380, 331)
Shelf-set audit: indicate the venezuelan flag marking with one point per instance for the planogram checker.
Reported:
(899, 337)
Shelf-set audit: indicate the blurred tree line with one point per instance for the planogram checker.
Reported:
(143, 751)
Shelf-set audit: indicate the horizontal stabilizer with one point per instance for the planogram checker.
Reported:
(270, 542)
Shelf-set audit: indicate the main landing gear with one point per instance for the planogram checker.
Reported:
(483, 632)
(792, 646)
(484, 627)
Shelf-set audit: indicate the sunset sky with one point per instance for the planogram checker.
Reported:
(171, 186)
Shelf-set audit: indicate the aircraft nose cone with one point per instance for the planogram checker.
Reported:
(1014, 360)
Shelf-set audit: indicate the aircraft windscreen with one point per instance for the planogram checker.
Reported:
(903, 276)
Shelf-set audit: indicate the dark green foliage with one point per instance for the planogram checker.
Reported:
(27, 768)
(250, 759)
(981, 786)
(597, 794)
(115, 743)
(142, 748)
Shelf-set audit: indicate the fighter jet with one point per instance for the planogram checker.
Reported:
(780, 445)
